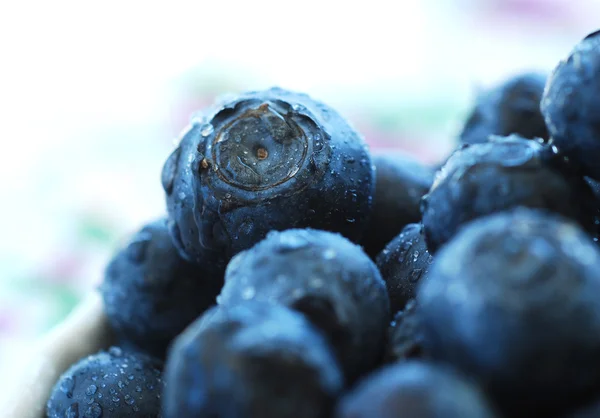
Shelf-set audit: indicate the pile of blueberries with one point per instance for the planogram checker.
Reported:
(298, 276)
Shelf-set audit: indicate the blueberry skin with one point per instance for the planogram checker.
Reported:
(326, 277)
(400, 183)
(414, 389)
(571, 105)
(404, 335)
(151, 294)
(512, 107)
(114, 384)
(267, 160)
(251, 360)
(403, 263)
(507, 172)
(512, 301)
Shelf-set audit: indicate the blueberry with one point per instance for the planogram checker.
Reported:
(403, 263)
(571, 105)
(504, 173)
(512, 107)
(512, 301)
(151, 294)
(414, 390)
(326, 277)
(400, 183)
(109, 384)
(267, 160)
(404, 335)
(251, 360)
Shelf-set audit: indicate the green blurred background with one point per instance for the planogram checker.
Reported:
(94, 94)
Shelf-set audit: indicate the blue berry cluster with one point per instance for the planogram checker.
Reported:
(295, 275)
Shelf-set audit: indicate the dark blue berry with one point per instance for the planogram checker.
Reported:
(512, 301)
(267, 160)
(571, 105)
(404, 335)
(512, 107)
(151, 294)
(504, 173)
(326, 277)
(251, 360)
(400, 183)
(414, 390)
(403, 263)
(113, 384)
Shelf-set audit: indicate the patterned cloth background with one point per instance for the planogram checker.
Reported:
(92, 100)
